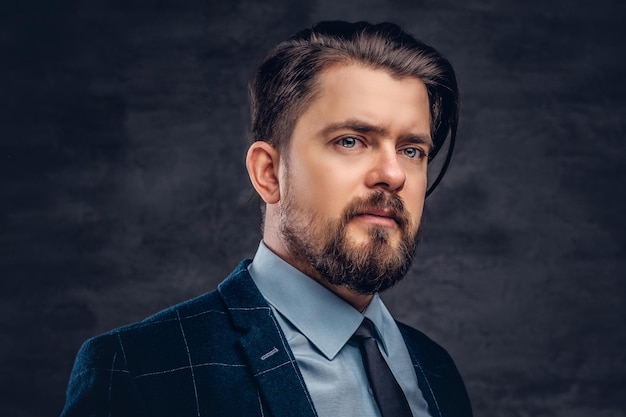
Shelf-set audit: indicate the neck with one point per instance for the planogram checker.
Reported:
(358, 301)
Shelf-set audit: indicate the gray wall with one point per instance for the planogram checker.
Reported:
(123, 130)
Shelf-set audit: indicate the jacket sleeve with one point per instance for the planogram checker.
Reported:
(100, 383)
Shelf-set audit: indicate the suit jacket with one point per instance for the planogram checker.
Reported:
(223, 354)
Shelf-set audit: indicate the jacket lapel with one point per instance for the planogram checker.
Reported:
(421, 373)
(262, 343)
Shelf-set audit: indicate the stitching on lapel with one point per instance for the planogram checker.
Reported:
(269, 354)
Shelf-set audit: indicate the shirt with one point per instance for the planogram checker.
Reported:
(318, 326)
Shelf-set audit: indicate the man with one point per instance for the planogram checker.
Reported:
(345, 118)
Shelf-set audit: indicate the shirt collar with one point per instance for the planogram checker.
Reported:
(325, 319)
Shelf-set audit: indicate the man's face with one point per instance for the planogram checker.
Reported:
(354, 180)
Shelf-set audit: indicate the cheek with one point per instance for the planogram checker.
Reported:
(414, 199)
(416, 212)
(318, 186)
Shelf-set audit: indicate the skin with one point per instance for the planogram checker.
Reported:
(365, 131)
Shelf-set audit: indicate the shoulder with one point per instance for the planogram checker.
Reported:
(160, 330)
(127, 369)
(161, 337)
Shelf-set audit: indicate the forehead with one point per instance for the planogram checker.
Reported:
(373, 96)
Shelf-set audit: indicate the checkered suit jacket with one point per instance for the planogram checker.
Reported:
(222, 354)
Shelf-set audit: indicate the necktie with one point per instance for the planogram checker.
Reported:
(388, 394)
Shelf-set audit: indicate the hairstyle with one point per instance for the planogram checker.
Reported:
(286, 81)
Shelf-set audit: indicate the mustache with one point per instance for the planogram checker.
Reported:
(376, 201)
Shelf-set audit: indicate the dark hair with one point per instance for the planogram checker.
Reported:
(285, 83)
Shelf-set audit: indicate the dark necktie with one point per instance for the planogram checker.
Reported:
(388, 394)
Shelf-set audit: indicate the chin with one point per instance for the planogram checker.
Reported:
(373, 234)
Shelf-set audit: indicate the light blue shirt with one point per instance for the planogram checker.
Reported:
(318, 325)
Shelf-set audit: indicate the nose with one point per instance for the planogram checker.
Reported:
(386, 171)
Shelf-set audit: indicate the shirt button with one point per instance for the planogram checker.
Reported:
(370, 391)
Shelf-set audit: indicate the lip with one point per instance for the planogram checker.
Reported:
(379, 217)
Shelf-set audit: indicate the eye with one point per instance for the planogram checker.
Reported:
(348, 142)
(413, 153)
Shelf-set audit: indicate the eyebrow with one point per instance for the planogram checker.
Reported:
(360, 126)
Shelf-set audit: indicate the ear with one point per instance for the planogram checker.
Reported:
(262, 162)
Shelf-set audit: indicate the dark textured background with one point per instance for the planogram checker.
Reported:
(123, 131)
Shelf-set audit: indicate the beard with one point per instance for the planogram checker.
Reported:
(323, 250)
